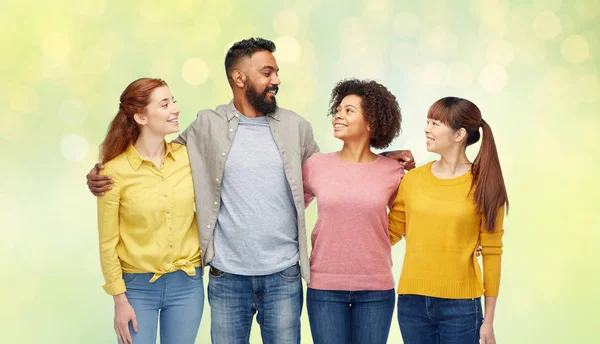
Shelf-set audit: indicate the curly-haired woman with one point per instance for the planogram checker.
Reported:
(350, 297)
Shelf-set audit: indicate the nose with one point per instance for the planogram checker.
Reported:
(427, 129)
(275, 80)
(175, 109)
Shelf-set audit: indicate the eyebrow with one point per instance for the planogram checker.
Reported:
(270, 67)
(350, 105)
(165, 99)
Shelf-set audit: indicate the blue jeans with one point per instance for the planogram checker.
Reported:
(432, 320)
(234, 299)
(176, 297)
(355, 317)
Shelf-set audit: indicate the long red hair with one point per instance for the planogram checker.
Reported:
(123, 129)
(490, 192)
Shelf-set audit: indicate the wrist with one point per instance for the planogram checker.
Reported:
(487, 321)
(120, 299)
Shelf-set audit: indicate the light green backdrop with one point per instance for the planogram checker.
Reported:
(531, 66)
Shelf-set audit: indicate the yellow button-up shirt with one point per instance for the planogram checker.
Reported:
(147, 222)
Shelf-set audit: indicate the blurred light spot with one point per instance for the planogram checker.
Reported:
(23, 99)
(56, 45)
(460, 75)
(54, 71)
(73, 112)
(12, 126)
(575, 49)
(376, 5)
(288, 49)
(490, 10)
(96, 61)
(439, 41)
(90, 8)
(588, 88)
(434, 75)
(493, 78)
(74, 147)
(495, 28)
(547, 25)
(286, 23)
(587, 9)
(551, 5)
(194, 71)
(500, 53)
(406, 24)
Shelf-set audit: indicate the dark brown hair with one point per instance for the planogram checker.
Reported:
(245, 48)
(378, 104)
(488, 183)
(124, 130)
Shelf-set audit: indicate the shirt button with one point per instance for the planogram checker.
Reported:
(162, 179)
(223, 154)
(217, 180)
(215, 203)
(169, 262)
(170, 228)
(231, 130)
(171, 246)
(236, 115)
(165, 195)
(168, 212)
(208, 226)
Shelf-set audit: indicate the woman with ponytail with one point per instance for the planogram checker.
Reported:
(149, 245)
(445, 210)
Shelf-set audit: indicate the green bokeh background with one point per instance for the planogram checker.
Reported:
(531, 66)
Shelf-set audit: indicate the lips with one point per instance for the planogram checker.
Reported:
(174, 120)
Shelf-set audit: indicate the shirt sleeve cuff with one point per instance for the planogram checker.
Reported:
(115, 288)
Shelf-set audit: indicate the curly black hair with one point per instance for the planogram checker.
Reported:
(245, 48)
(379, 106)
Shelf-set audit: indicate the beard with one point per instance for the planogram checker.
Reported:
(259, 100)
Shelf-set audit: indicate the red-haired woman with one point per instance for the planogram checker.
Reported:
(445, 209)
(149, 245)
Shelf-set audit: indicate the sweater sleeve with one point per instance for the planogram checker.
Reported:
(397, 215)
(491, 244)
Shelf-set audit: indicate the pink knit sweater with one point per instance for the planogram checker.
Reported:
(350, 242)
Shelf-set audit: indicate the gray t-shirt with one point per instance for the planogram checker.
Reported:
(256, 230)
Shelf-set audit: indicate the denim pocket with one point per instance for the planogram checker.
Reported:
(128, 278)
(292, 273)
(216, 273)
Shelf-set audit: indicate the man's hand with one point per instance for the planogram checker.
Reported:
(404, 157)
(98, 184)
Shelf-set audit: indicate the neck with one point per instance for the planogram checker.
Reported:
(357, 152)
(151, 147)
(244, 107)
(454, 161)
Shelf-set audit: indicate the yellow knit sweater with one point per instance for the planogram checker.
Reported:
(443, 230)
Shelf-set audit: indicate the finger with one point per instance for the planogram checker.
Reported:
(99, 183)
(119, 335)
(98, 166)
(134, 324)
(97, 177)
(127, 335)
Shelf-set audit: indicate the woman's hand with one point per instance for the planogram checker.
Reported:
(123, 315)
(486, 333)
